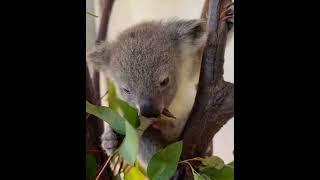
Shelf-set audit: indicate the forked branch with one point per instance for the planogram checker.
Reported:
(214, 101)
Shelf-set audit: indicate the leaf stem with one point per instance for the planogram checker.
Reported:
(99, 100)
(193, 159)
(105, 164)
(190, 166)
(186, 163)
(92, 14)
(104, 95)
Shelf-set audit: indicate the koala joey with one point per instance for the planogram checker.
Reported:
(155, 66)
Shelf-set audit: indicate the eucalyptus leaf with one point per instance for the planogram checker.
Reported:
(231, 164)
(122, 107)
(91, 167)
(226, 173)
(196, 176)
(164, 163)
(134, 174)
(205, 177)
(214, 161)
(112, 118)
(130, 146)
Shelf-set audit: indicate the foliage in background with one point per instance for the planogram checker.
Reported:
(124, 119)
(214, 168)
(91, 167)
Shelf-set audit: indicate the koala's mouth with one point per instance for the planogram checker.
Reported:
(166, 114)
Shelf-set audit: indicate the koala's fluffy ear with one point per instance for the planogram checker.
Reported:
(99, 57)
(190, 32)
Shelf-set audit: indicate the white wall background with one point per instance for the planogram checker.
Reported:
(90, 25)
(128, 12)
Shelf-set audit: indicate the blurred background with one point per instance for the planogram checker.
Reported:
(128, 12)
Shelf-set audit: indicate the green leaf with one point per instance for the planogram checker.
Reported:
(226, 173)
(205, 177)
(113, 119)
(197, 176)
(130, 146)
(91, 167)
(164, 163)
(134, 174)
(125, 111)
(213, 161)
(122, 107)
(231, 164)
(112, 93)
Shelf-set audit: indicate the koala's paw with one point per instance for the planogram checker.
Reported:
(109, 142)
(228, 14)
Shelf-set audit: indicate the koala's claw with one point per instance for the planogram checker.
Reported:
(229, 5)
(109, 143)
(118, 165)
(227, 15)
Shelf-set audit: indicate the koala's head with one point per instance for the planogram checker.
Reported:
(144, 61)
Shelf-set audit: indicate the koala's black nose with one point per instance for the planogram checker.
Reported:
(150, 111)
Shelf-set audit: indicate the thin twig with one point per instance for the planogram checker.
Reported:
(105, 164)
(99, 100)
(92, 14)
(193, 159)
(186, 163)
(94, 150)
(104, 95)
(88, 115)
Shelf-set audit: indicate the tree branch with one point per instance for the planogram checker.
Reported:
(214, 101)
(104, 21)
(94, 126)
(101, 36)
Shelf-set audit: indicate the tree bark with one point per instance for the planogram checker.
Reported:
(104, 21)
(94, 126)
(214, 101)
(101, 36)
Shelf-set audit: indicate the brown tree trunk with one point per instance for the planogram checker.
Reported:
(214, 103)
(94, 126)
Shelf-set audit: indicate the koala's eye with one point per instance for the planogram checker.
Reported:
(126, 90)
(164, 82)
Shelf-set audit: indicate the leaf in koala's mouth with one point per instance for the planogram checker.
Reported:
(167, 113)
(156, 124)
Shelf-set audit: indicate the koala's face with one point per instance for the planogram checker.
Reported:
(144, 62)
